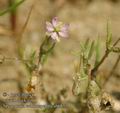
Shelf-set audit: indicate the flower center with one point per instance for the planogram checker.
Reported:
(56, 29)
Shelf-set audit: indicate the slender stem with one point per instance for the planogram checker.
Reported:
(113, 70)
(13, 16)
(95, 69)
(27, 19)
(117, 41)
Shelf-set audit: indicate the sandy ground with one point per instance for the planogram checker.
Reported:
(86, 21)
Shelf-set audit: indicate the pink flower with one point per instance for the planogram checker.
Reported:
(56, 29)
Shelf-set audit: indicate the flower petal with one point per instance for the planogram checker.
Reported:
(63, 34)
(65, 28)
(49, 27)
(54, 36)
(55, 21)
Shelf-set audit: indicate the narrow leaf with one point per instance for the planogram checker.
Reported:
(32, 57)
(86, 43)
(109, 37)
(12, 7)
(91, 50)
(97, 52)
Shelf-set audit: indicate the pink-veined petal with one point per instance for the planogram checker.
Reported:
(55, 21)
(54, 36)
(63, 34)
(49, 27)
(65, 28)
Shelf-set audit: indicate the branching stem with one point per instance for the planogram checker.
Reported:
(113, 70)
(108, 51)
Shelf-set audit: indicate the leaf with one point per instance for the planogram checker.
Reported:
(32, 57)
(109, 37)
(44, 58)
(91, 50)
(94, 89)
(82, 47)
(83, 51)
(86, 43)
(80, 85)
(86, 48)
(97, 50)
(28, 67)
(31, 63)
(12, 7)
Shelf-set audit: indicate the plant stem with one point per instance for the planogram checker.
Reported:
(113, 70)
(13, 16)
(117, 41)
(95, 69)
